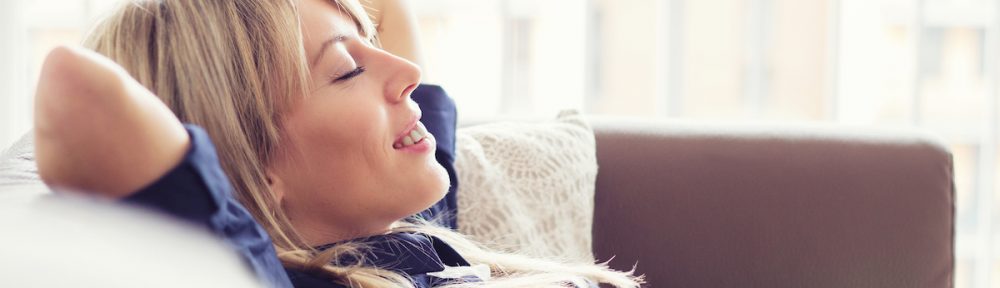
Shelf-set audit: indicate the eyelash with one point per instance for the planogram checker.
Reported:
(349, 75)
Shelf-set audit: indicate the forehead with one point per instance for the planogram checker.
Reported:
(322, 20)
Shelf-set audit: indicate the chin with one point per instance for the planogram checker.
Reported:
(435, 189)
(443, 182)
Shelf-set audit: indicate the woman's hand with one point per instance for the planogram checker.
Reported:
(98, 130)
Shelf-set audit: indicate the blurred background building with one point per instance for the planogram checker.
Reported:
(932, 64)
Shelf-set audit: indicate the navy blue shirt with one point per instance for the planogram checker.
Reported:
(440, 118)
(198, 191)
(413, 254)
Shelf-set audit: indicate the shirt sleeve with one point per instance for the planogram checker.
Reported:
(198, 191)
(441, 118)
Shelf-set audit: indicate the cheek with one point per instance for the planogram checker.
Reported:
(346, 156)
(344, 141)
(340, 147)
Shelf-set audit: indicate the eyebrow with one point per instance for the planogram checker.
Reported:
(326, 44)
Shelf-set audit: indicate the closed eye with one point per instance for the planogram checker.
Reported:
(349, 75)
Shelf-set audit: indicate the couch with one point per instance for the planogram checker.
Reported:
(698, 204)
(703, 204)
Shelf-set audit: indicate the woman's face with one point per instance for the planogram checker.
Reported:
(344, 170)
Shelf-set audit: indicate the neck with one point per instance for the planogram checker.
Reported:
(316, 234)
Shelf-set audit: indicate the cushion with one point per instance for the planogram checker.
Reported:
(17, 163)
(44, 222)
(19, 182)
(90, 243)
(528, 187)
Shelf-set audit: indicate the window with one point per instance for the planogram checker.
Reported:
(30, 29)
(931, 64)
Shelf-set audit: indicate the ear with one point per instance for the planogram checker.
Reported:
(276, 185)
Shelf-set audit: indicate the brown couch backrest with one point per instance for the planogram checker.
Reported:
(695, 204)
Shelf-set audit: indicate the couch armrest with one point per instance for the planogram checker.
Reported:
(699, 204)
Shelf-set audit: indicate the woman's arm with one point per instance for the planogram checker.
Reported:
(397, 28)
(98, 130)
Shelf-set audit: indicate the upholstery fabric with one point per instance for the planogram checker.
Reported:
(529, 187)
(17, 163)
(702, 204)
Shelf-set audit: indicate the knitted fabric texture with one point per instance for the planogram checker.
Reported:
(17, 163)
(529, 187)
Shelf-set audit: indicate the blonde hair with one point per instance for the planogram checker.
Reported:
(232, 67)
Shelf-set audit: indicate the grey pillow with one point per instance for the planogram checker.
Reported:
(17, 163)
(19, 181)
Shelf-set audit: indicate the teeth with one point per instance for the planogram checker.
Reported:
(418, 133)
(422, 129)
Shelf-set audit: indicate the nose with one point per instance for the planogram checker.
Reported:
(402, 77)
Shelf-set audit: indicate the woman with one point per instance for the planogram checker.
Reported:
(313, 127)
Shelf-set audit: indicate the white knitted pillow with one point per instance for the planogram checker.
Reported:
(529, 187)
